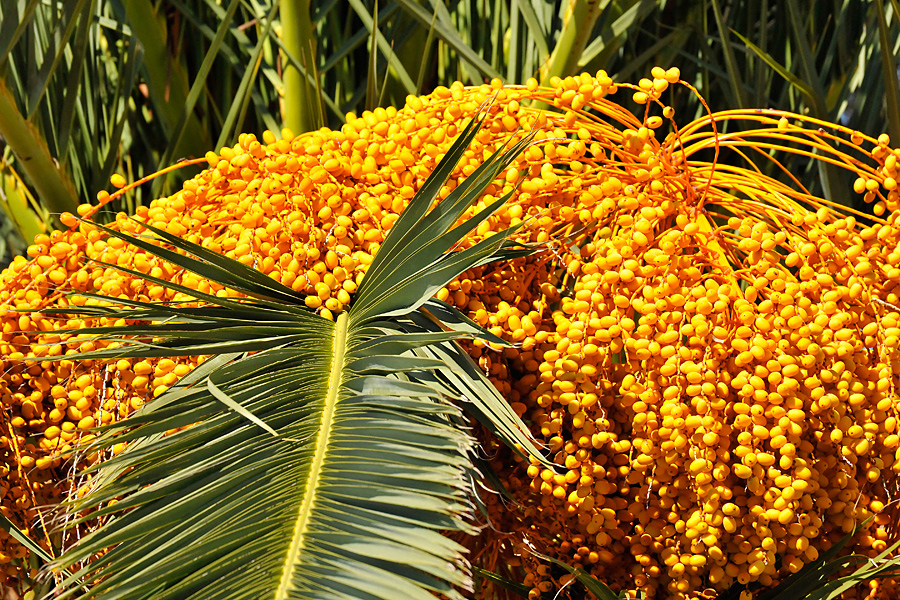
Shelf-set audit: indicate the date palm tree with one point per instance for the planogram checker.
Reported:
(324, 459)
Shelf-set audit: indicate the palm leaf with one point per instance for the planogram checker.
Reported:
(597, 588)
(20, 536)
(199, 83)
(167, 78)
(322, 459)
(735, 79)
(53, 185)
(238, 109)
(818, 579)
(445, 31)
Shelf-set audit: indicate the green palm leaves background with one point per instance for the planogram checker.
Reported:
(88, 88)
(363, 422)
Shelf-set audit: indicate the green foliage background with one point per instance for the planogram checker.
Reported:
(90, 87)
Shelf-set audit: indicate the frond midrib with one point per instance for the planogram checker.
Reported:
(304, 513)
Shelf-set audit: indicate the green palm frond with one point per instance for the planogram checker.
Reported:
(826, 577)
(318, 459)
